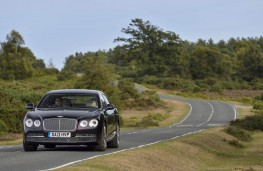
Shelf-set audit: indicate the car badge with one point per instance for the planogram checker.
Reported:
(60, 116)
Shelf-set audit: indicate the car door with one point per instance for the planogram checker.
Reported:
(110, 115)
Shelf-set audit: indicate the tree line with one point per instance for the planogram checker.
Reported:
(146, 54)
(18, 62)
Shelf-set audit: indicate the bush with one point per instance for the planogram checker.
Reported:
(258, 105)
(149, 79)
(147, 122)
(210, 81)
(127, 89)
(236, 143)
(151, 120)
(157, 116)
(250, 123)
(31, 97)
(3, 127)
(216, 88)
(145, 100)
(260, 97)
(239, 133)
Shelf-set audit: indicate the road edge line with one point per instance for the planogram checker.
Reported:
(89, 158)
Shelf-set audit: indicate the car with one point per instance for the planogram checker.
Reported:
(72, 117)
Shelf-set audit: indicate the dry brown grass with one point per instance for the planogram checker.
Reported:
(173, 109)
(243, 109)
(10, 139)
(209, 150)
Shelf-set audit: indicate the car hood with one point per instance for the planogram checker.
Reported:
(63, 113)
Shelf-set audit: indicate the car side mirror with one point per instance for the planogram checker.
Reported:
(110, 107)
(30, 106)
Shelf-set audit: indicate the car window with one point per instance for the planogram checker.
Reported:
(103, 101)
(70, 101)
(106, 99)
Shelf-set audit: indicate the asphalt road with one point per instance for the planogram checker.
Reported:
(203, 114)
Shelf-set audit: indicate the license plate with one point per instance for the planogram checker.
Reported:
(59, 134)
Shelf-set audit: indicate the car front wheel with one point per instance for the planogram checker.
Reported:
(29, 147)
(102, 144)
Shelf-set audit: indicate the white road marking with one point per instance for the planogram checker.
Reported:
(190, 125)
(235, 110)
(216, 124)
(209, 116)
(186, 115)
(89, 158)
(132, 133)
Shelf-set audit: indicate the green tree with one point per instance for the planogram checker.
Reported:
(209, 62)
(99, 75)
(149, 46)
(17, 62)
(250, 60)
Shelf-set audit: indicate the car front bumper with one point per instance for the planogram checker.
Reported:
(76, 138)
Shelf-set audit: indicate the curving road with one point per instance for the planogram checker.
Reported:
(203, 114)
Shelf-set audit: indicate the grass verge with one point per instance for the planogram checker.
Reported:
(208, 150)
(11, 139)
(173, 112)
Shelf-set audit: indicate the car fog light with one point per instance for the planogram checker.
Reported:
(37, 123)
(29, 123)
(83, 123)
(93, 123)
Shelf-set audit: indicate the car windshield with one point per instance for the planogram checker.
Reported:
(69, 101)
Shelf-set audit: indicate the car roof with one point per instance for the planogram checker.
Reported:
(74, 91)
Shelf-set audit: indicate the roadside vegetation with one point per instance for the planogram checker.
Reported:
(208, 150)
(236, 147)
(229, 70)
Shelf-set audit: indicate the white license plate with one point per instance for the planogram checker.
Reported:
(59, 134)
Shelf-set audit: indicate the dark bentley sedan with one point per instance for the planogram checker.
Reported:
(70, 117)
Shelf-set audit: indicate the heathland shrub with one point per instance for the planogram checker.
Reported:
(147, 122)
(258, 105)
(151, 120)
(250, 123)
(127, 89)
(3, 127)
(236, 143)
(239, 133)
(260, 97)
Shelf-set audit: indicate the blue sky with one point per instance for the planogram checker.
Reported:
(55, 29)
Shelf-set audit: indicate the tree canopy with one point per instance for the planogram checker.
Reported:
(16, 61)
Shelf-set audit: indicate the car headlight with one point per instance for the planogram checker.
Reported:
(29, 123)
(93, 123)
(83, 123)
(37, 123)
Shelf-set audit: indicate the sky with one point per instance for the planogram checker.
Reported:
(55, 29)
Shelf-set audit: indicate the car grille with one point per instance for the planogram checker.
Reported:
(83, 139)
(60, 124)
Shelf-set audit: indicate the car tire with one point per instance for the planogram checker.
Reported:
(50, 146)
(29, 147)
(116, 140)
(102, 144)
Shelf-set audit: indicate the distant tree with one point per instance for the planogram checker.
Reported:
(17, 62)
(149, 46)
(14, 40)
(99, 75)
(206, 62)
(13, 63)
(39, 63)
(250, 60)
